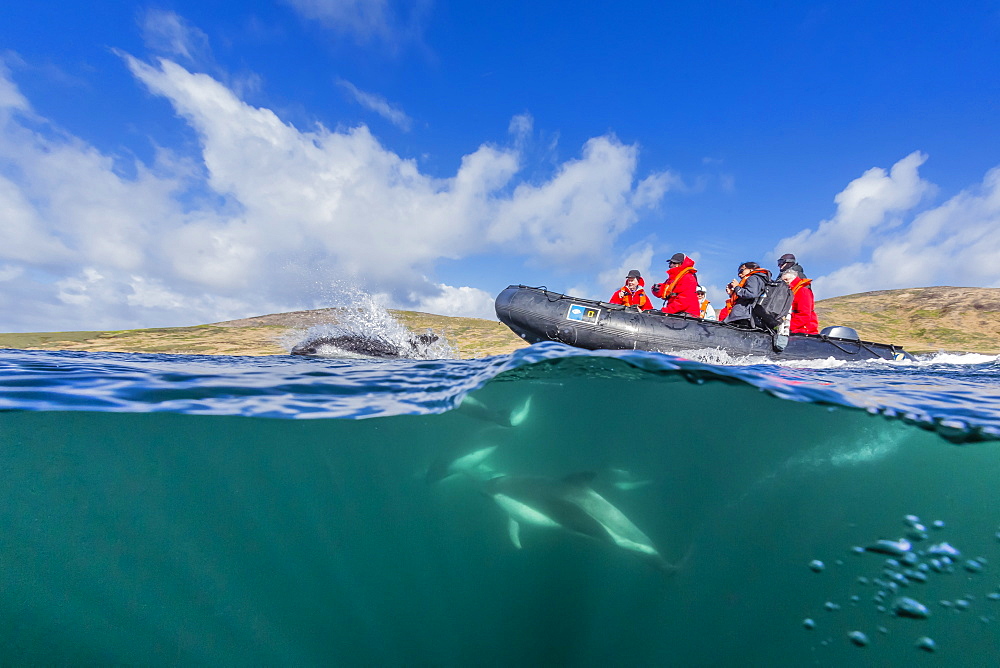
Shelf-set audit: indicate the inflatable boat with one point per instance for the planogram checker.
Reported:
(537, 314)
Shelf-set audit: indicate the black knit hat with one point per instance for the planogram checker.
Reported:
(677, 257)
(787, 258)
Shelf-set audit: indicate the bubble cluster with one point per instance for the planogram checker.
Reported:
(905, 572)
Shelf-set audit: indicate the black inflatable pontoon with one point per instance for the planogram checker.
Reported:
(537, 314)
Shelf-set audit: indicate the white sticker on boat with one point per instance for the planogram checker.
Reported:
(583, 313)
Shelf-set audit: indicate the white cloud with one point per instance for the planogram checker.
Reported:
(169, 34)
(10, 272)
(578, 213)
(11, 98)
(869, 204)
(639, 256)
(365, 20)
(955, 243)
(288, 211)
(379, 105)
(461, 301)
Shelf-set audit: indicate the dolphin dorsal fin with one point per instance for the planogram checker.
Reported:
(580, 479)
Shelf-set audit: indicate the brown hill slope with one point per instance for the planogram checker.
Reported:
(919, 319)
(272, 334)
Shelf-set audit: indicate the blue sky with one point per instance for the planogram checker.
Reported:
(173, 164)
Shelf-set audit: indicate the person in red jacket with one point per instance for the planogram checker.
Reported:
(632, 293)
(680, 289)
(804, 319)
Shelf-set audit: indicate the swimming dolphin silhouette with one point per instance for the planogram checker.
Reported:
(572, 505)
(372, 346)
(625, 480)
(475, 408)
(471, 463)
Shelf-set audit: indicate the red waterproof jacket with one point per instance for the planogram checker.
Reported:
(637, 298)
(804, 319)
(681, 289)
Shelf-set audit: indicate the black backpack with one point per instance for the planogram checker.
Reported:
(773, 304)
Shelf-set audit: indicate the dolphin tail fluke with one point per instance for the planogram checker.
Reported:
(670, 569)
(514, 530)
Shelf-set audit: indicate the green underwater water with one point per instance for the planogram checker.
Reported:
(166, 539)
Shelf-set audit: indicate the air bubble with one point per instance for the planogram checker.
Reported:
(858, 638)
(896, 548)
(808, 623)
(926, 644)
(944, 549)
(908, 607)
(816, 566)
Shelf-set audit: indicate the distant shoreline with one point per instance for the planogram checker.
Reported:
(921, 320)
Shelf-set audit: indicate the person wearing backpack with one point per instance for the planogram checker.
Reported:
(743, 294)
(679, 290)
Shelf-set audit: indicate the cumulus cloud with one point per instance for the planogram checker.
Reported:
(869, 204)
(639, 256)
(379, 105)
(463, 301)
(265, 214)
(954, 243)
(579, 212)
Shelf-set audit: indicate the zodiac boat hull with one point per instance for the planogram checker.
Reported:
(537, 314)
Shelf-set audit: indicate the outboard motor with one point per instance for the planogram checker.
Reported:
(840, 332)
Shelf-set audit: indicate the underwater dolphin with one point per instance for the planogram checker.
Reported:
(471, 463)
(371, 346)
(475, 408)
(625, 480)
(572, 505)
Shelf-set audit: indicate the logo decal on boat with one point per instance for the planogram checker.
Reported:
(583, 313)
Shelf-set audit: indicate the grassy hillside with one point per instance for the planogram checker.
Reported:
(264, 335)
(919, 319)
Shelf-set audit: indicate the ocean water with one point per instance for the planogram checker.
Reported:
(181, 510)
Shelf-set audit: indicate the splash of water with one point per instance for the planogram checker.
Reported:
(361, 316)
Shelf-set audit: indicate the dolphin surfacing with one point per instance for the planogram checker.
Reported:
(359, 344)
(572, 505)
